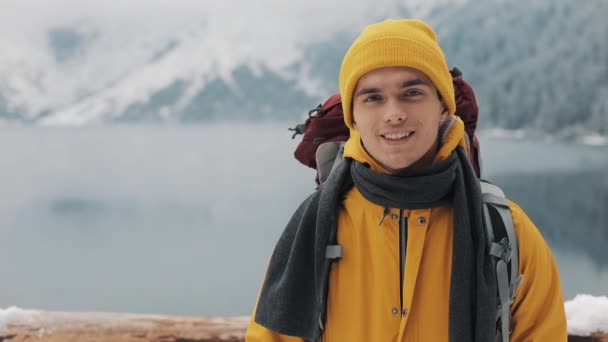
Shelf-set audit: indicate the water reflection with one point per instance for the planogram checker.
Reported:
(570, 208)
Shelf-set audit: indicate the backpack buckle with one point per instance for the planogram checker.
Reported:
(299, 129)
(333, 252)
(501, 250)
(455, 72)
(317, 112)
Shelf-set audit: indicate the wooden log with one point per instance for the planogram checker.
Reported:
(89, 327)
(47, 326)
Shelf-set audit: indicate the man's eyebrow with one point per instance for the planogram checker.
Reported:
(365, 91)
(416, 81)
(405, 84)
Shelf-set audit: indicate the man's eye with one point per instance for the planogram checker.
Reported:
(413, 92)
(372, 98)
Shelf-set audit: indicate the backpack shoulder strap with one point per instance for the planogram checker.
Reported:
(502, 246)
(328, 157)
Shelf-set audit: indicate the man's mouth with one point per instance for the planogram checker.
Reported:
(398, 136)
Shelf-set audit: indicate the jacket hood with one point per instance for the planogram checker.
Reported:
(452, 137)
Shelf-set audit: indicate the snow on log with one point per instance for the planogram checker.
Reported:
(587, 315)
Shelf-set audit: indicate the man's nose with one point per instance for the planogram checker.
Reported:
(394, 114)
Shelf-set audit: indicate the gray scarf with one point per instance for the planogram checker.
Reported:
(293, 297)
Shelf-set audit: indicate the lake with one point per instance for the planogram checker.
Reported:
(183, 219)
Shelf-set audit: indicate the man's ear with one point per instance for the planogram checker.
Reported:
(352, 114)
(444, 113)
(444, 107)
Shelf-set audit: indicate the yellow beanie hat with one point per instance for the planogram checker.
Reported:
(407, 42)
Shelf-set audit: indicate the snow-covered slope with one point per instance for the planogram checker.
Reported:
(75, 62)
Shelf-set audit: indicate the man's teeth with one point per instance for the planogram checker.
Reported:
(398, 136)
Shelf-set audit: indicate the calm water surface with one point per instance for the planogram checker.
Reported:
(182, 220)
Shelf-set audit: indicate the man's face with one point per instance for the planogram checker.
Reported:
(397, 112)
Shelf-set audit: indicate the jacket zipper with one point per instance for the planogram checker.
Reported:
(402, 250)
(386, 212)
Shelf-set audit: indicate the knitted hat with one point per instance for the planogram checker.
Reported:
(407, 42)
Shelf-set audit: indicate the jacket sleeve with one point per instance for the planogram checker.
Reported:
(259, 333)
(538, 309)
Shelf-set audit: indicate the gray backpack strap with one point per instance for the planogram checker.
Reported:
(328, 156)
(503, 247)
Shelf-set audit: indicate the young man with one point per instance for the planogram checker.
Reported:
(406, 206)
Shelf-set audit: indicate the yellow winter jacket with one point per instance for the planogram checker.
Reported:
(364, 299)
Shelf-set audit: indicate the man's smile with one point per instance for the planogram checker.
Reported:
(397, 136)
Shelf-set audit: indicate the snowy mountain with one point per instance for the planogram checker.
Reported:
(535, 64)
(538, 64)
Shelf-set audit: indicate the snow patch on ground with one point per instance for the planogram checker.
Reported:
(591, 139)
(587, 314)
(594, 140)
(15, 315)
(504, 133)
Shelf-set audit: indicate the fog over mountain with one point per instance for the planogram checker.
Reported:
(539, 65)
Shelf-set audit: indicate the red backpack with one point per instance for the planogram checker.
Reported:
(326, 124)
